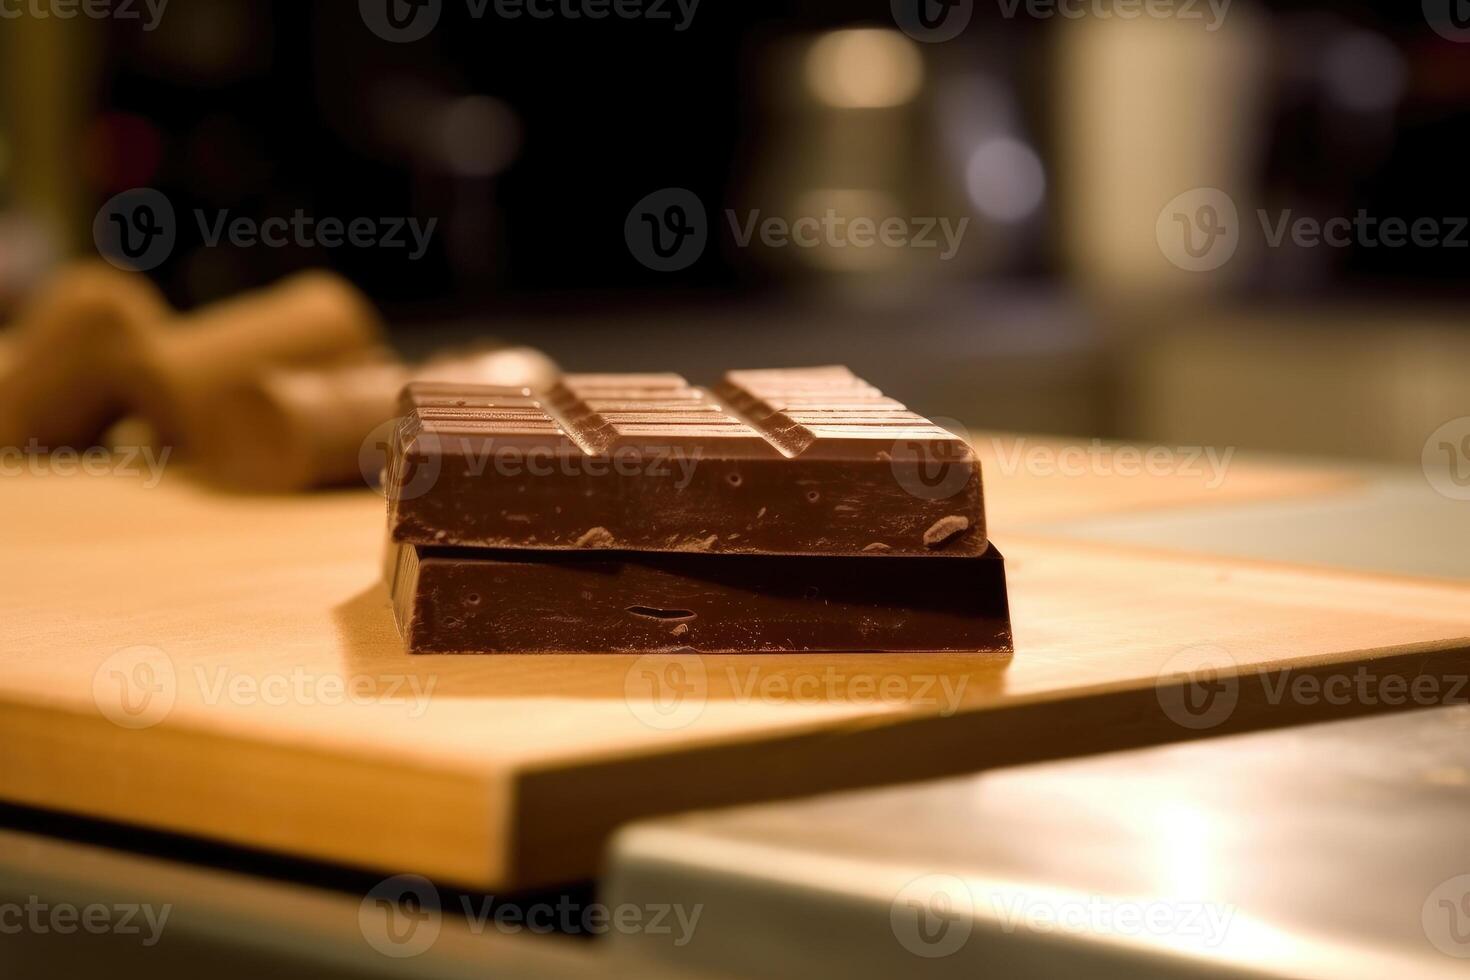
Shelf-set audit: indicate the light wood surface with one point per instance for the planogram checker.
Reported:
(254, 612)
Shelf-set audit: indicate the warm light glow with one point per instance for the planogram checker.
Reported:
(479, 135)
(1185, 841)
(864, 69)
(1005, 180)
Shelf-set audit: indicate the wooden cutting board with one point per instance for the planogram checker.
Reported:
(228, 667)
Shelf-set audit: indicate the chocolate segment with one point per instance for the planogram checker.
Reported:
(454, 600)
(799, 462)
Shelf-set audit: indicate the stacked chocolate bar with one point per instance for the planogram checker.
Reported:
(784, 510)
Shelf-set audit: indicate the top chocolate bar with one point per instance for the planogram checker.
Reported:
(809, 461)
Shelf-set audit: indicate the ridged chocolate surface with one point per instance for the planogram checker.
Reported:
(795, 461)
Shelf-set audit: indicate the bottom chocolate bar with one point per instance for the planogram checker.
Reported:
(467, 600)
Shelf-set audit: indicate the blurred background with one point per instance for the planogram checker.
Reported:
(1095, 223)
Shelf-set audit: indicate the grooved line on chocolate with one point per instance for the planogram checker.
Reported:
(581, 422)
(790, 448)
(591, 441)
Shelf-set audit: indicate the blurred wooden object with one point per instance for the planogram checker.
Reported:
(1366, 384)
(1128, 146)
(309, 318)
(61, 385)
(95, 341)
(290, 429)
(273, 706)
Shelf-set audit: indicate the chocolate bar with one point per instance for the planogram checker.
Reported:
(458, 600)
(808, 461)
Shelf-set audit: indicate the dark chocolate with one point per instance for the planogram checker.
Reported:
(800, 462)
(458, 600)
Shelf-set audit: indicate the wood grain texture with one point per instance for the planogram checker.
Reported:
(289, 718)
